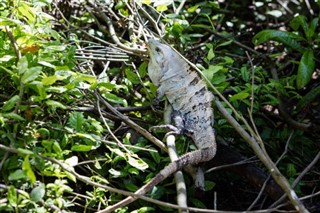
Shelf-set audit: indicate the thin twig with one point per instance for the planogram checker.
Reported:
(180, 183)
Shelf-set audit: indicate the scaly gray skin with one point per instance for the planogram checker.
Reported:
(190, 110)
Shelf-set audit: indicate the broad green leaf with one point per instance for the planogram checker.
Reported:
(12, 196)
(38, 193)
(27, 11)
(56, 147)
(161, 8)
(306, 68)
(81, 148)
(86, 136)
(132, 76)
(115, 99)
(146, 2)
(71, 176)
(31, 74)
(239, 96)
(299, 21)
(210, 54)
(312, 27)
(13, 116)
(10, 103)
(212, 69)
(143, 69)
(55, 104)
(76, 121)
(25, 151)
(59, 89)
(17, 175)
(287, 38)
(47, 64)
(117, 152)
(27, 167)
(136, 162)
(22, 65)
(192, 9)
(88, 78)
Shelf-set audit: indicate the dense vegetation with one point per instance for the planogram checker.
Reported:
(76, 103)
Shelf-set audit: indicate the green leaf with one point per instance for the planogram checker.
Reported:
(299, 21)
(287, 38)
(81, 148)
(11, 103)
(86, 136)
(22, 65)
(212, 69)
(12, 196)
(47, 64)
(132, 76)
(38, 193)
(239, 96)
(306, 68)
(55, 104)
(76, 121)
(161, 8)
(27, 167)
(88, 78)
(210, 54)
(192, 9)
(71, 176)
(136, 162)
(31, 74)
(49, 80)
(25, 151)
(115, 99)
(17, 175)
(312, 27)
(13, 116)
(143, 69)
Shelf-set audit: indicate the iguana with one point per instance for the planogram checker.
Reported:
(189, 109)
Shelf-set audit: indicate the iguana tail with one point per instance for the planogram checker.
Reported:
(191, 158)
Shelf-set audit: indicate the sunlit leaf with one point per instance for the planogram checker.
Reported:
(12, 196)
(31, 74)
(8, 105)
(81, 148)
(38, 193)
(55, 104)
(27, 167)
(137, 162)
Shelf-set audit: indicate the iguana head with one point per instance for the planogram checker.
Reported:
(162, 58)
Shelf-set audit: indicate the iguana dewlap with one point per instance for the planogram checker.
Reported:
(190, 107)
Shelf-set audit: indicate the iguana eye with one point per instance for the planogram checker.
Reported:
(157, 49)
